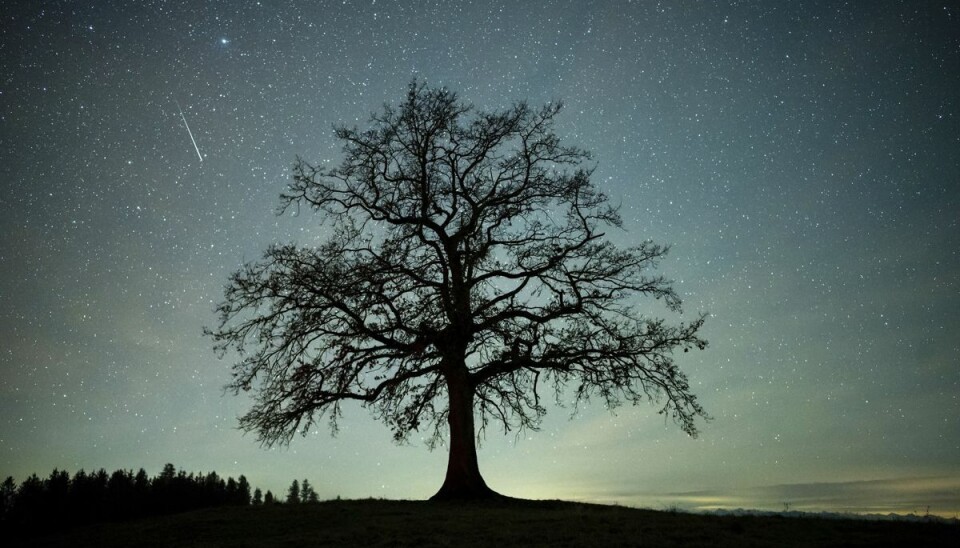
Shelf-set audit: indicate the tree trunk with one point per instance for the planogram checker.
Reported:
(463, 480)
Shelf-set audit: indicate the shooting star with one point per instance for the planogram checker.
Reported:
(190, 133)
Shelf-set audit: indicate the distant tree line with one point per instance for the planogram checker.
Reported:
(61, 501)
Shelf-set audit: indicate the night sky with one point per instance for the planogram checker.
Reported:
(802, 158)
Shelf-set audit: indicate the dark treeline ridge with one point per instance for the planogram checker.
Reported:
(61, 501)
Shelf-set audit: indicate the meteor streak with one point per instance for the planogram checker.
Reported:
(190, 133)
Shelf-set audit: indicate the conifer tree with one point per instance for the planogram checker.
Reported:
(307, 494)
(8, 491)
(293, 493)
(243, 491)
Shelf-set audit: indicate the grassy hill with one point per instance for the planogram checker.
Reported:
(500, 524)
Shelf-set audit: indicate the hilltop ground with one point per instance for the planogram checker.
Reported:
(501, 525)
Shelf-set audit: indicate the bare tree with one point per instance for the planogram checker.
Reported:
(466, 274)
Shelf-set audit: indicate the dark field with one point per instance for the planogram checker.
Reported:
(502, 524)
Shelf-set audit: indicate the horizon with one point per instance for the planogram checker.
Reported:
(905, 497)
(801, 159)
(899, 502)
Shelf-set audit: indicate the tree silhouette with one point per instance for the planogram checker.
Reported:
(293, 493)
(56, 493)
(467, 271)
(120, 493)
(231, 492)
(141, 492)
(307, 493)
(29, 507)
(8, 492)
(242, 497)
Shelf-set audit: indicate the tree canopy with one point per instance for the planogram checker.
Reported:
(467, 273)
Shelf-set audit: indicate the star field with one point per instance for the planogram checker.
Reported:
(802, 158)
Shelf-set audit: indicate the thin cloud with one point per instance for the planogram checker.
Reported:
(902, 495)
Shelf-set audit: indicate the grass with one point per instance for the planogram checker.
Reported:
(500, 524)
